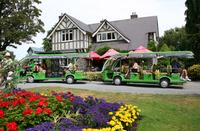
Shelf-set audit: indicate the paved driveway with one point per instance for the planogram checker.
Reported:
(187, 88)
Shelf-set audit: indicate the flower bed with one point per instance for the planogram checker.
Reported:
(22, 110)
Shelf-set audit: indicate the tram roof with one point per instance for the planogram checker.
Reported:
(58, 56)
(167, 54)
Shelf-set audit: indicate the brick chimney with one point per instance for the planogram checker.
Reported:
(134, 15)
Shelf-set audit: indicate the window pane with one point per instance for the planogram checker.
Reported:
(109, 36)
(71, 36)
(104, 36)
(114, 35)
(99, 37)
(63, 37)
(67, 37)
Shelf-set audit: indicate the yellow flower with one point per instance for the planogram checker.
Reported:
(110, 113)
(112, 123)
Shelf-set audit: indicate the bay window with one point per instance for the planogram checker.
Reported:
(67, 35)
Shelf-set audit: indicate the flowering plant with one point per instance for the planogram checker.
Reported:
(23, 110)
(121, 120)
(27, 109)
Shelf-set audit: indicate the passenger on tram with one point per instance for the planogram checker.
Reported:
(135, 67)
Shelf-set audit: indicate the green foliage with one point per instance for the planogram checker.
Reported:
(151, 46)
(164, 47)
(176, 39)
(8, 66)
(124, 51)
(193, 72)
(102, 50)
(19, 22)
(192, 16)
(193, 27)
(31, 109)
(47, 45)
(93, 76)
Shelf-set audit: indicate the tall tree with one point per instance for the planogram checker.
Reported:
(193, 26)
(175, 38)
(152, 46)
(19, 22)
(165, 47)
(47, 45)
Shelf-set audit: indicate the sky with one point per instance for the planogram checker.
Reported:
(170, 14)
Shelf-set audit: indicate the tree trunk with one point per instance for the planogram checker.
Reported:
(1, 79)
(1, 76)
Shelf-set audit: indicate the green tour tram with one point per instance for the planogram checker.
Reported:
(58, 70)
(117, 68)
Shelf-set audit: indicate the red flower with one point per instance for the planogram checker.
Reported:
(42, 103)
(7, 95)
(5, 104)
(1, 129)
(15, 103)
(27, 112)
(1, 114)
(71, 98)
(39, 111)
(47, 111)
(12, 126)
(21, 100)
(33, 98)
(59, 98)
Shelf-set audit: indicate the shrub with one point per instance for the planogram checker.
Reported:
(102, 50)
(193, 72)
(93, 76)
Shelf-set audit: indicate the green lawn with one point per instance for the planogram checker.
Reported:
(159, 112)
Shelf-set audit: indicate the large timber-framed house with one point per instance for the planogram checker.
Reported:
(71, 35)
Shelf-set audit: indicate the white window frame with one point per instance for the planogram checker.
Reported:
(103, 36)
(65, 34)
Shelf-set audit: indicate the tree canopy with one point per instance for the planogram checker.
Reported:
(192, 16)
(47, 45)
(165, 47)
(19, 22)
(151, 46)
(193, 27)
(176, 39)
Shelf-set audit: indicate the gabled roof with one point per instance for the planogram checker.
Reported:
(134, 31)
(113, 27)
(79, 24)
